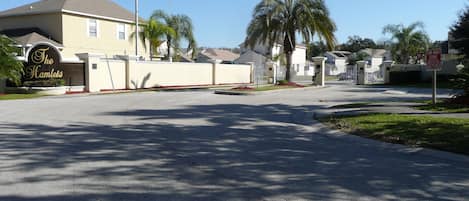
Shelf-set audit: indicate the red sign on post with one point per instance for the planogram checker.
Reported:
(434, 59)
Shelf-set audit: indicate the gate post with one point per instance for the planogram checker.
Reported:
(320, 70)
(361, 73)
(387, 71)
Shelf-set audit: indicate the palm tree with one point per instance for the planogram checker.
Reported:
(183, 29)
(284, 20)
(10, 68)
(153, 31)
(407, 41)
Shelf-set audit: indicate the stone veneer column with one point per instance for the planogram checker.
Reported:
(361, 72)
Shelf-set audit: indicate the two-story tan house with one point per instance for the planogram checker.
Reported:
(74, 27)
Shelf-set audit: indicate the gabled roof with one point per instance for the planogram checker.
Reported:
(29, 36)
(32, 38)
(339, 54)
(96, 8)
(218, 54)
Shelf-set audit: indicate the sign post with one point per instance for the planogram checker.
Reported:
(434, 63)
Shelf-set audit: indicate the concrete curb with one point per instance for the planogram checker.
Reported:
(245, 93)
(334, 133)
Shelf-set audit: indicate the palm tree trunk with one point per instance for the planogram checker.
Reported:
(169, 49)
(288, 66)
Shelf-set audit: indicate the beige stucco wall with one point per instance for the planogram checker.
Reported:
(154, 74)
(109, 75)
(50, 23)
(229, 74)
(76, 39)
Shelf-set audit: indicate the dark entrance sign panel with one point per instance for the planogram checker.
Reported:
(44, 63)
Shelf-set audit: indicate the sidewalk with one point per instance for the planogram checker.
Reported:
(404, 108)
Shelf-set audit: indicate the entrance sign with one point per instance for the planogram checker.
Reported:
(434, 59)
(43, 64)
(434, 64)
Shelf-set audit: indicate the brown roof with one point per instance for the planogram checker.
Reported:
(218, 54)
(98, 8)
(33, 38)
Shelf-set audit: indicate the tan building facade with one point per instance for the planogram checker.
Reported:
(80, 26)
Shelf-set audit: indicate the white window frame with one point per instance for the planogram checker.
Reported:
(88, 28)
(118, 31)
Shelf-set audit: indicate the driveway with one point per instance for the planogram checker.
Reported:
(202, 146)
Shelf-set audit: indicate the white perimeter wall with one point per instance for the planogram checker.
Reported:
(154, 74)
(120, 74)
(232, 74)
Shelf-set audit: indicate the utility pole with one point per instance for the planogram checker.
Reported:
(137, 33)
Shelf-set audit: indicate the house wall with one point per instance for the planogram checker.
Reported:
(260, 69)
(299, 61)
(76, 39)
(336, 68)
(49, 23)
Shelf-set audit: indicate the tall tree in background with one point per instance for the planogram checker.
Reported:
(10, 68)
(460, 33)
(407, 41)
(356, 43)
(315, 49)
(284, 20)
(183, 29)
(460, 41)
(154, 32)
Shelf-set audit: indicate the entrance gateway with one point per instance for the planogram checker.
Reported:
(44, 66)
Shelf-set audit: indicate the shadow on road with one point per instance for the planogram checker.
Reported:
(217, 152)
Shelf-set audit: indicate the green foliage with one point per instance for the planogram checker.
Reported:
(358, 56)
(154, 32)
(461, 81)
(460, 32)
(315, 49)
(408, 42)
(356, 43)
(282, 20)
(183, 29)
(10, 68)
(45, 83)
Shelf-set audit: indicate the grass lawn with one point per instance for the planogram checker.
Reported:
(440, 85)
(448, 134)
(19, 96)
(443, 106)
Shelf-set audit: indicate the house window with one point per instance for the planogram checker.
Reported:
(121, 32)
(93, 28)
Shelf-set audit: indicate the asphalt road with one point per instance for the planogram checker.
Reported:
(202, 146)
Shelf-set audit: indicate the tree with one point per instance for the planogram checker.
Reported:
(154, 32)
(356, 43)
(315, 49)
(183, 29)
(460, 33)
(357, 56)
(284, 20)
(408, 41)
(460, 41)
(10, 68)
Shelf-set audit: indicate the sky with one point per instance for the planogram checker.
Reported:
(223, 23)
